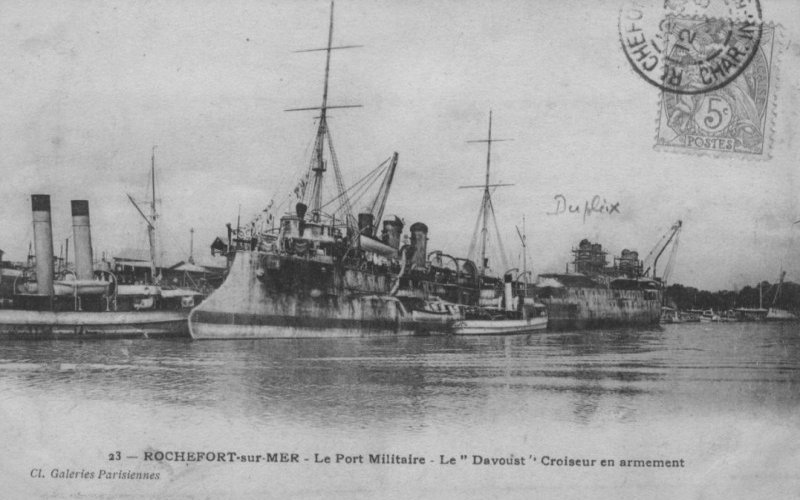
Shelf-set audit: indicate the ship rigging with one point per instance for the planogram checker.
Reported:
(323, 271)
(318, 165)
(486, 210)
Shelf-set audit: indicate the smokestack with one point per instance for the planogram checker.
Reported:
(365, 223)
(43, 243)
(82, 237)
(419, 241)
(301, 209)
(393, 232)
(508, 291)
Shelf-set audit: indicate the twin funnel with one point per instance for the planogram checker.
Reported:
(43, 241)
(82, 236)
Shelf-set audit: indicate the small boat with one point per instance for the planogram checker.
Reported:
(775, 314)
(670, 315)
(434, 315)
(689, 317)
(709, 316)
(749, 314)
(65, 287)
(499, 326)
(496, 322)
(505, 308)
(80, 287)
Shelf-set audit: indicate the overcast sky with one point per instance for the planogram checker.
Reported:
(89, 87)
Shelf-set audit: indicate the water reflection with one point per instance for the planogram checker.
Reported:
(415, 383)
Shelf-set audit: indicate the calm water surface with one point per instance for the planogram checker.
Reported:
(583, 377)
(668, 388)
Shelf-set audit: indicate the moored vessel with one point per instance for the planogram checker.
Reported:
(594, 294)
(775, 313)
(325, 271)
(507, 306)
(80, 303)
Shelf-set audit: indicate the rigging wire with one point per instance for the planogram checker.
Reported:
(503, 257)
(340, 186)
(474, 241)
(281, 187)
(375, 171)
(355, 198)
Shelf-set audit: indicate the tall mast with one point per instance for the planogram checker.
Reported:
(318, 164)
(486, 196)
(778, 291)
(191, 245)
(151, 228)
(319, 168)
(66, 257)
(524, 240)
(486, 204)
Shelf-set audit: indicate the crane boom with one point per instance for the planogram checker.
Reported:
(672, 233)
(379, 204)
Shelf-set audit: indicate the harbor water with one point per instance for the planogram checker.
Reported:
(721, 397)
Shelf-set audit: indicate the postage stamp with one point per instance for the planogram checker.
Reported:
(690, 46)
(735, 118)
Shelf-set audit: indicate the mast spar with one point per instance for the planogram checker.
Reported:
(486, 203)
(318, 164)
(151, 219)
(524, 239)
(191, 245)
(151, 228)
(319, 169)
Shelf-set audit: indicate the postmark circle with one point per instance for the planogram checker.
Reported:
(690, 46)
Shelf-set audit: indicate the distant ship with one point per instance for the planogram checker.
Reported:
(593, 294)
(775, 313)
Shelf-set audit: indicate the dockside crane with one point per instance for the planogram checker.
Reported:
(671, 236)
(379, 203)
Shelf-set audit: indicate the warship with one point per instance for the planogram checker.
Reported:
(326, 271)
(593, 294)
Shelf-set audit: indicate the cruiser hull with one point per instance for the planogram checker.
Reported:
(202, 329)
(244, 308)
(585, 308)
